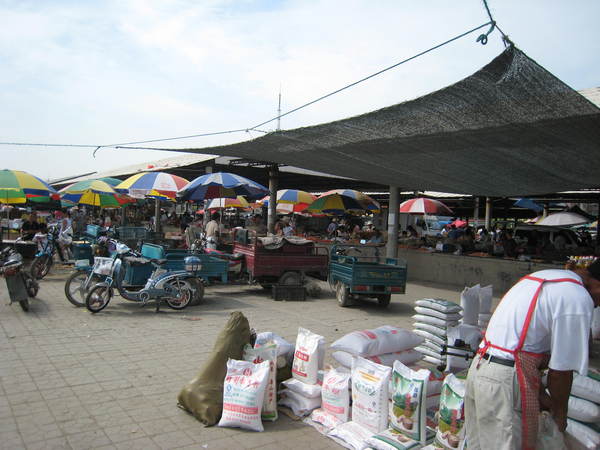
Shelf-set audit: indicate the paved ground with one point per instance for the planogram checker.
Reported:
(70, 379)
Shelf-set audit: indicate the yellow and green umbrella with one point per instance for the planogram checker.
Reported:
(18, 187)
(343, 201)
(223, 203)
(94, 193)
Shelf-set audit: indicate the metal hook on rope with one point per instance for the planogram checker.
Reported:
(483, 38)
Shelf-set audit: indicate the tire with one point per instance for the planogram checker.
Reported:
(266, 286)
(97, 298)
(75, 288)
(41, 266)
(185, 294)
(342, 293)
(383, 300)
(198, 285)
(24, 305)
(290, 279)
(31, 285)
(331, 283)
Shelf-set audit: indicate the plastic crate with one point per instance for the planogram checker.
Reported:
(93, 231)
(132, 233)
(153, 251)
(291, 293)
(82, 250)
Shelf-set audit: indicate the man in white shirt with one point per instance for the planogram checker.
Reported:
(212, 231)
(543, 321)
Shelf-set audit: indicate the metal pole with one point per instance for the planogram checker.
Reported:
(598, 226)
(207, 170)
(272, 217)
(157, 215)
(476, 212)
(391, 250)
(488, 213)
(545, 213)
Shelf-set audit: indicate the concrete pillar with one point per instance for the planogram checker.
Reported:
(488, 213)
(207, 170)
(391, 250)
(272, 217)
(545, 213)
(157, 215)
(476, 211)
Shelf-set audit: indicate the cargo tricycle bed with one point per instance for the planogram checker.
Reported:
(355, 277)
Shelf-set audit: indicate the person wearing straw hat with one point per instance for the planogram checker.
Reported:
(543, 321)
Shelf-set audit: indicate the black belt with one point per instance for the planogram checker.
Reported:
(495, 359)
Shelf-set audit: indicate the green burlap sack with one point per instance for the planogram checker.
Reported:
(203, 396)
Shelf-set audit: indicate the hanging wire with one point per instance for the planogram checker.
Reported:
(482, 38)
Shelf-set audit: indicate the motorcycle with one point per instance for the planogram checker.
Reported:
(235, 261)
(21, 285)
(44, 259)
(176, 288)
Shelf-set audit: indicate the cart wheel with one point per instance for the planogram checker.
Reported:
(97, 298)
(290, 279)
(383, 300)
(198, 286)
(342, 294)
(183, 294)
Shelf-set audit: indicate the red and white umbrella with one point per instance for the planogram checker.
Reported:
(424, 206)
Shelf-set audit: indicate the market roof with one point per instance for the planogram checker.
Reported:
(512, 128)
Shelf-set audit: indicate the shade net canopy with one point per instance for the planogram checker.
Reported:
(512, 128)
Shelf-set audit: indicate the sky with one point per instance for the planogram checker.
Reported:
(108, 72)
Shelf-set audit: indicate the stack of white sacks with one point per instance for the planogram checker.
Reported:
(302, 392)
(476, 302)
(433, 320)
(583, 423)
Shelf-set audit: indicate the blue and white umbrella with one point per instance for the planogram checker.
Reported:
(221, 185)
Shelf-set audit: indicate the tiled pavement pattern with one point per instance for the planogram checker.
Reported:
(70, 379)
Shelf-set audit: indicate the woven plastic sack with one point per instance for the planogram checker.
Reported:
(306, 390)
(370, 394)
(392, 440)
(283, 346)
(549, 436)
(433, 329)
(267, 352)
(327, 420)
(300, 405)
(203, 396)
(243, 395)
(308, 357)
(581, 437)
(440, 305)
(583, 410)
(469, 300)
(426, 351)
(431, 337)
(435, 321)
(486, 294)
(409, 401)
(387, 359)
(385, 339)
(351, 434)
(335, 396)
(596, 324)
(447, 317)
(450, 433)
(587, 387)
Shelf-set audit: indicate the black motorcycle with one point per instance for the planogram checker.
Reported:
(21, 285)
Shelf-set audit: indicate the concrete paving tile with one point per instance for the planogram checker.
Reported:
(88, 440)
(158, 426)
(59, 443)
(173, 439)
(145, 443)
(125, 432)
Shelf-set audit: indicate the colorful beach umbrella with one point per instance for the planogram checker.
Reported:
(367, 202)
(424, 206)
(335, 204)
(18, 187)
(221, 184)
(152, 184)
(94, 193)
(290, 200)
(224, 203)
(110, 180)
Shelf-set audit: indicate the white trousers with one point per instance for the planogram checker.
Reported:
(492, 407)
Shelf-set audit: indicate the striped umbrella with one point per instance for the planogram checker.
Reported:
(367, 202)
(424, 206)
(223, 203)
(335, 204)
(109, 180)
(290, 200)
(221, 184)
(152, 184)
(17, 187)
(94, 193)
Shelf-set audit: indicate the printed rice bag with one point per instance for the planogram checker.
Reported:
(243, 394)
(370, 394)
(387, 359)
(257, 355)
(385, 339)
(308, 357)
(392, 440)
(410, 401)
(335, 396)
(329, 421)
(450, 432)
(440, 305)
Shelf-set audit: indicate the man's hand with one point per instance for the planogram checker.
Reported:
(559, 386)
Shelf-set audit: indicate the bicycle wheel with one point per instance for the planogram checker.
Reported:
(31, 285)
(75, 290)
(97, 298)
(41, 266)
(183, 291)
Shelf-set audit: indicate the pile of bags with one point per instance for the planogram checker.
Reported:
(302, 392)
(433, 319)
(583, 428)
